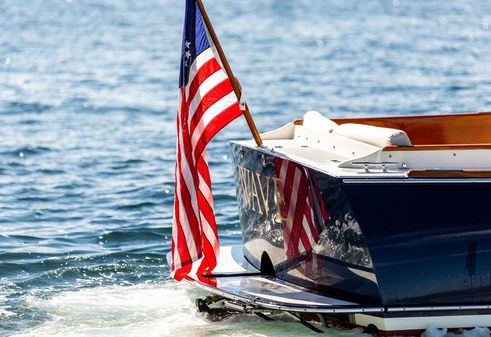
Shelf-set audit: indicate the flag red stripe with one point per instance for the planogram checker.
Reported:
(299, 213)
(186, 190)
(193, 188)
(301, 197)
(290, 173)
(309, 237)
(185, 196)
(311, 218)
(228, 115)
(183, 200)
(204, 171)
(219, 91)
(206, 70)
(185, 266)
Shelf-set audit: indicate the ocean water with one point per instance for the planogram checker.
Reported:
(88, 95)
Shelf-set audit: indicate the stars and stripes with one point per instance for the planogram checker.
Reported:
(302, 207)
(207, 103)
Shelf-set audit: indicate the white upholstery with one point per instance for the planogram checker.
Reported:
(284, 132)
(313, 120)
(374, 135)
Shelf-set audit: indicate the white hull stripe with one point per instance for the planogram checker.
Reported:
(422, 323)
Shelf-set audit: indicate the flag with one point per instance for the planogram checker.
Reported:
(207, 103)
(302, 208)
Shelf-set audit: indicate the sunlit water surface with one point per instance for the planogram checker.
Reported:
(88, 94)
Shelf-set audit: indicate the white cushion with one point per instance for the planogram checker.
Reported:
(313, 120)
(374, 135)
(285, 132)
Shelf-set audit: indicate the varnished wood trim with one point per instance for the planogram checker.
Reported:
(468, 128)
(343, 120)
(455, 147)
(449, 174)
(449, 130)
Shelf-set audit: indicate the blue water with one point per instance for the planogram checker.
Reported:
(88, 94)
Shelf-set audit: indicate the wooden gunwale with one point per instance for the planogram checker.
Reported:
(465, 131)
(421, 173)
(454, 129)
(449, 147)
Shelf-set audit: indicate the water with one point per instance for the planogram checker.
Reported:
(88, 94)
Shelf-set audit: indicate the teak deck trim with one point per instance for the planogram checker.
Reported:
(452, 129)
(449, 173)
(449, 147)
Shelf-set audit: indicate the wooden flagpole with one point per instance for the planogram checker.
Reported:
(230, 74)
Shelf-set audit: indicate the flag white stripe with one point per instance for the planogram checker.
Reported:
(213, 111)
(186, 229)
(188, 180)
(293, 200)
(218, 107)
(283, 170)
(188, 234)
(200, 60)
(190, 174)
(175, 254)
(195, 266)
(205, 189)
(207, 85)
(306, 229)
(182, 220)
(206, 228)
(187, 173)
(312, 216)
(184, 167)
(176, 257)
(208, 231)
(310, 213)
(301, 248)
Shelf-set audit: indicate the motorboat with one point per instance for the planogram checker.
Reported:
(377, 222)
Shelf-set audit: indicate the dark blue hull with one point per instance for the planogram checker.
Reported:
(407, 242)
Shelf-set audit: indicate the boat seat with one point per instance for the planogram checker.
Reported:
(373, 135)
(313, 120)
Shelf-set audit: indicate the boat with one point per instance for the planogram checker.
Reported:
(378, 222)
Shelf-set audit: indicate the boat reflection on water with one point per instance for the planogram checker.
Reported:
(312, 259)
(304, 232)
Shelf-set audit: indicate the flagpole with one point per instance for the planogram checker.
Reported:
(230, 74)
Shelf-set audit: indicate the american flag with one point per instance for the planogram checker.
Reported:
(207, 103)
(302, 207)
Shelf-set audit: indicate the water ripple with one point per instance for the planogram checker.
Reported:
(88, 102)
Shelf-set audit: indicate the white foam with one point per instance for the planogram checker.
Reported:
(168, 309)
(433, 331)
(6, 313)
(148, 310)
(4, 309)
